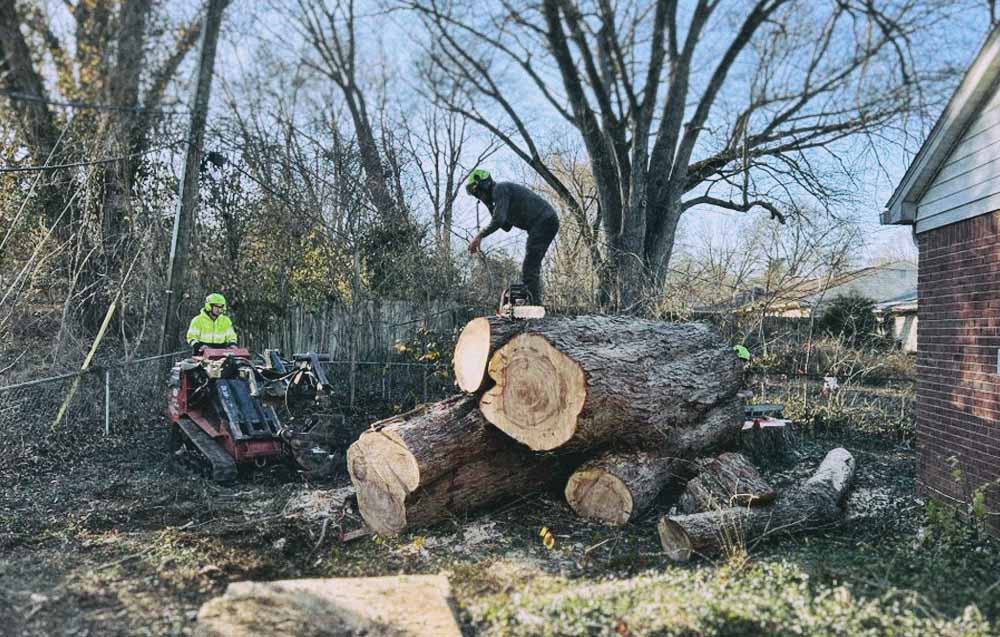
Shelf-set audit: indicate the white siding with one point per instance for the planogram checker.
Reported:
(968, 183)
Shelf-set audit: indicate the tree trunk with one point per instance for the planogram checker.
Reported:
(726, 481)
(813, 505)
(616, 487)
(436, 461)
(660, 237)
(590, 380)
(480, 339)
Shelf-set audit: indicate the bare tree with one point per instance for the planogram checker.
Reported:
(579, 252)
(437, 147)
(736, 105)
(109, 67)
(330, 28)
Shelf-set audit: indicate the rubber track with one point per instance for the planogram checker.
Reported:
(223, 465)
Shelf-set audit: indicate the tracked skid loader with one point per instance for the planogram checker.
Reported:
(223, 408)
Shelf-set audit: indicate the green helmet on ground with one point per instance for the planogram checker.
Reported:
(741, 352)
(214, 299)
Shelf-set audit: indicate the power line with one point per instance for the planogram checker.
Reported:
(92, 162)
(27, 97)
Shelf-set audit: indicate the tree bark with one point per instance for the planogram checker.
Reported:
(590, 380)
(35, 119)
(813, 505)
(726, 481)
(616, 487)
(123, 92)
(436, 461)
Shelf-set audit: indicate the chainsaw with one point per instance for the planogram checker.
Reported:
(516, 303)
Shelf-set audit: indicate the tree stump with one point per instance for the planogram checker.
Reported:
(813, 505)
(767, 438)
(726, 481)
(590, 380)
(437, 461)
(616, 487)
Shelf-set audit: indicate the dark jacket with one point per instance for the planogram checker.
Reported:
(514, 206)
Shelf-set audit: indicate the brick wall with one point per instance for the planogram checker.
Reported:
(958, 334)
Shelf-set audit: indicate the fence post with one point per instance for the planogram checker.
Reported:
(425, 384)
(107, 401)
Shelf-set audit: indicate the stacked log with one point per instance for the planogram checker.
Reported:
(583, 382)
(542, 394)
(815, 504)
(725, 481)
(436, 461)
(616, 487)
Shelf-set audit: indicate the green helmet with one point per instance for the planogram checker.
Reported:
(214, 299)
(741, 352)
(475, 177)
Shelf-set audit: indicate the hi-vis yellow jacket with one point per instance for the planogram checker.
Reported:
(204, 329)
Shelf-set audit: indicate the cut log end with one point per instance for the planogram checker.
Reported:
(384, 472)
(598, 495)
(472, 354)
(675, 540)
(538, 395)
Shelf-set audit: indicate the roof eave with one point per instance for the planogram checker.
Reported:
(975, 87)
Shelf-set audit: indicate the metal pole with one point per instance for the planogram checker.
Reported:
(107, 402)
(186, 206)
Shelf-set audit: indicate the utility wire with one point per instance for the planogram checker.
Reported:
(92, 162)
(27, 97)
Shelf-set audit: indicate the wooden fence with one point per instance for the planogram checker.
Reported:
(363, 331)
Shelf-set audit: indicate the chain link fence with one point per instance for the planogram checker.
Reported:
(74, 408)
(124, 399)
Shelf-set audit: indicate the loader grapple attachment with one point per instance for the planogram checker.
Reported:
(247, 418)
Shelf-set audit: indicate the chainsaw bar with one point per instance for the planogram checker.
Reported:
(219, 465)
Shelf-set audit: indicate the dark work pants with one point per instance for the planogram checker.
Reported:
(540, 237)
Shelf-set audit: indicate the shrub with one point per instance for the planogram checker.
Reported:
(851, 318)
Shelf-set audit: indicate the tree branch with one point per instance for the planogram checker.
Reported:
(739, 207)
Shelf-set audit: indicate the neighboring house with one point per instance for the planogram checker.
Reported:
(950, 194)
(899, 317)
(878, 283)
(801, 298)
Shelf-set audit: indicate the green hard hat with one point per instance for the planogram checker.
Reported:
(741, 352)
(477, 176)
(215, 299)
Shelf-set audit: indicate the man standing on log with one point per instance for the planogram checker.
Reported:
(514, 206)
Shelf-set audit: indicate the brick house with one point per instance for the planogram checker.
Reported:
(950, 195)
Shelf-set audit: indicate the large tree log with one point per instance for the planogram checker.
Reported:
(726, 481)
(813, 505)
(590, 380)
(616, 487)
(436, 461)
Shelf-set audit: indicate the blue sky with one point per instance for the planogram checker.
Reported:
(391, 43)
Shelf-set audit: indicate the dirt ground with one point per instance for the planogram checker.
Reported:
(114, 538)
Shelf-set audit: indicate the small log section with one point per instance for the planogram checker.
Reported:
(616, 487)
(583, 382)
(813, 505)
(480, 339)
(726, 481)
(437, 461)
(404, 605)
(767, 438)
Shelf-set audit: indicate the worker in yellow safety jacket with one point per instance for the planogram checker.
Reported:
(212, 326)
